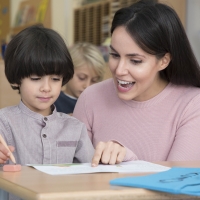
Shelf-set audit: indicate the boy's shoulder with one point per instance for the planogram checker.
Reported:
(70, 119)
(9, 109)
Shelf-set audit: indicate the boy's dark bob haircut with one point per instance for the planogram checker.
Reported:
(37, 51)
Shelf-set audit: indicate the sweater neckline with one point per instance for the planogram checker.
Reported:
(151, 102)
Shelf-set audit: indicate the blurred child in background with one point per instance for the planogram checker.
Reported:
(89, 68)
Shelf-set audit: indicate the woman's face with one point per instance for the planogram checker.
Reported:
(135, 72)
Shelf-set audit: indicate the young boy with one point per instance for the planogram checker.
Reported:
(38, 64)
(89, 66)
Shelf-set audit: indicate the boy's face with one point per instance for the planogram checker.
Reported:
(39, 93)
(84, 76)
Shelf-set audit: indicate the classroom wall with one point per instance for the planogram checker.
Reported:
(193, 25)
(62, 19)
(62, 16)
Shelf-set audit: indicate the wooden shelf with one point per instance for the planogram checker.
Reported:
(92, 22)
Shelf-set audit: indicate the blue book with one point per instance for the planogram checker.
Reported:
(177, 180)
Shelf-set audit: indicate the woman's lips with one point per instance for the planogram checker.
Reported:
(124, 86)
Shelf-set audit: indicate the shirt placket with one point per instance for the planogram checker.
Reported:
(46, 143)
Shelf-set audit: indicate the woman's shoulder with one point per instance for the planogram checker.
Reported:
(185, 94)
(189, 91)
(99, 93)
(102, 87)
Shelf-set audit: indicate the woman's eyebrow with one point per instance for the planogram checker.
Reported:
(113, 48)
(128, 55)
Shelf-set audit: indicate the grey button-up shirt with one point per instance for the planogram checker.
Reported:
(57, 138)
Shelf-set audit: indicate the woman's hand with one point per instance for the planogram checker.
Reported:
(108, 153)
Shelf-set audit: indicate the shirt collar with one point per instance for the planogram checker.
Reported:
(35, 115)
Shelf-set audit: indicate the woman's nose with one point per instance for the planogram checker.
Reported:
(121, 68)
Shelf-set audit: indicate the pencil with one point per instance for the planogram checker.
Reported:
(5, 145)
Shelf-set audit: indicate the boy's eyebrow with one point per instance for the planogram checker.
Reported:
(128, 55)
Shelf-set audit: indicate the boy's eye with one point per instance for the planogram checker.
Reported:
(95, 80)
(56, 79)
(81, 78)
(35, 78)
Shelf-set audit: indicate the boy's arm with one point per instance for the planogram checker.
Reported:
(85, 150)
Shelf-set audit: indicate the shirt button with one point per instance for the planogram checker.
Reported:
(45, 119)
(44, 135)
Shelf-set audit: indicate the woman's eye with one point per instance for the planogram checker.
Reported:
(114, 55)
(136, 61)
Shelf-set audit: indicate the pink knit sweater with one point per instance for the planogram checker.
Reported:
(166, 127)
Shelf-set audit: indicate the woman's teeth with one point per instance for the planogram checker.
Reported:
(125, 83)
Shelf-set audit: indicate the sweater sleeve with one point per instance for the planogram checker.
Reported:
(186, 143)
(80, 112)
(84, 151)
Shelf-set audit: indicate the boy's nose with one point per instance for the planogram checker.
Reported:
(46, 86)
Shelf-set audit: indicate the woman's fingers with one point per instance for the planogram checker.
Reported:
(108, 153)
(98, 153)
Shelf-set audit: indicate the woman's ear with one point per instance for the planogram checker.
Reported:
(165, 60)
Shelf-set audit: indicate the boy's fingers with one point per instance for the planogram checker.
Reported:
(12, 149)
(3, 150)
(3, 157)
(98, 153)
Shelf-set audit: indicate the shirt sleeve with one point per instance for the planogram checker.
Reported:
(85, 150)
(186, 144)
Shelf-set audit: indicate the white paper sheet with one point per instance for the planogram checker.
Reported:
(83, 168)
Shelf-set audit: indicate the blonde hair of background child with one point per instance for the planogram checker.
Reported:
(84, 53)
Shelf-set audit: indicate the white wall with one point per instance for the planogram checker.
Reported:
(193, 25)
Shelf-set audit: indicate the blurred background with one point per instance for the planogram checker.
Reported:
(78, 20)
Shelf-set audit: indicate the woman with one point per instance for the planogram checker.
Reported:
(150, 110)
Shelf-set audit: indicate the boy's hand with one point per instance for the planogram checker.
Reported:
(108, 153)
(4, 153)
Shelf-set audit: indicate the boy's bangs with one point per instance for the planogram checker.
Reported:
(44, 63)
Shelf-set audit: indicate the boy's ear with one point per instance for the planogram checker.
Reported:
(165, 60)
(15, 86)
